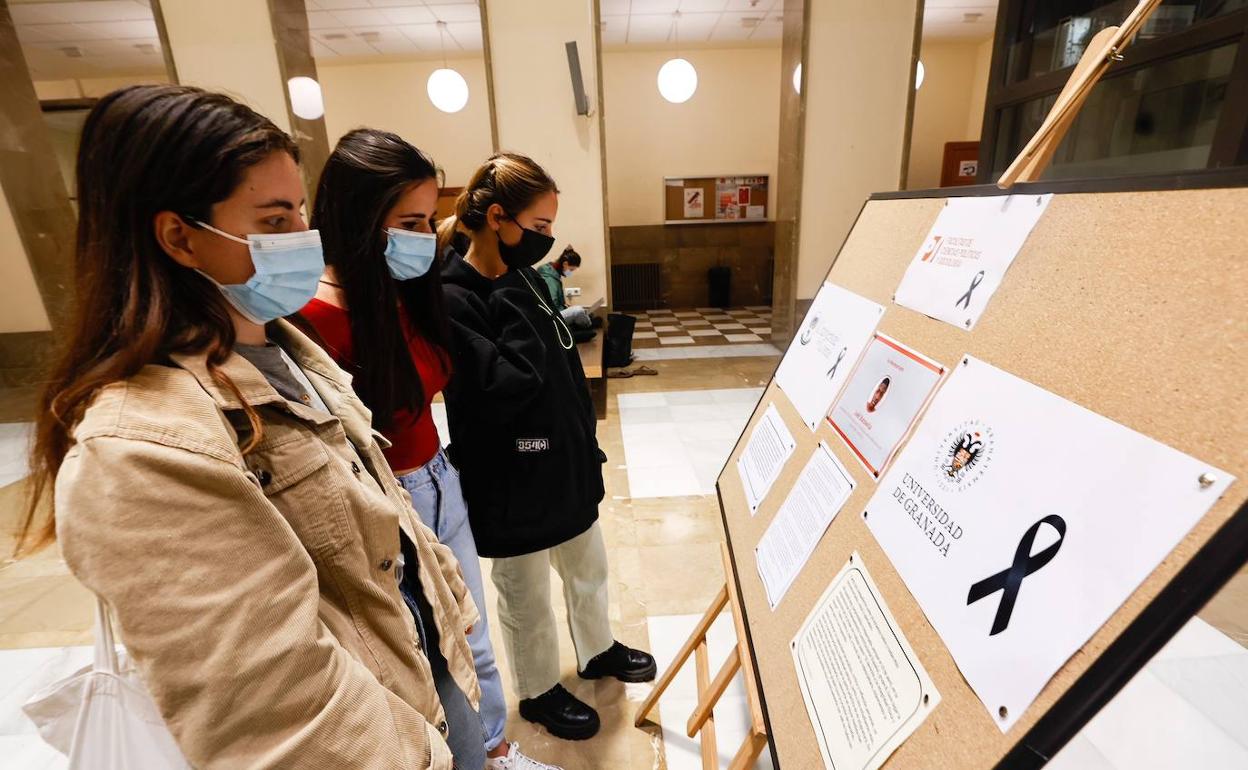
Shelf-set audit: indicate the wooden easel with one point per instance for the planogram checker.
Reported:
(702, 722)
(1103, 50)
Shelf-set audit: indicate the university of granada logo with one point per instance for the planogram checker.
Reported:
(964, 455)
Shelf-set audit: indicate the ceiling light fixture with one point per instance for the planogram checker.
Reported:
(919, 72)
(306, 100)
(447, 88)
(677, 80)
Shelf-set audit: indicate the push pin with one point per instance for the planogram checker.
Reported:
(1206, 480)
(968, 323)
(1003, 712)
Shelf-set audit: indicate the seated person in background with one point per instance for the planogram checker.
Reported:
(553, 273)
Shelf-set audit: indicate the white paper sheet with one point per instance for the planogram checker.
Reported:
(816, 497)
(769, 448)
(865, 689)
(885, 394)
(818, 362)
(970, 247)
(1002, 474)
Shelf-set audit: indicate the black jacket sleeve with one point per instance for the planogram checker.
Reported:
(500, 358)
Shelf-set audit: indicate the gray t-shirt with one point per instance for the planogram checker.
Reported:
(283, 374)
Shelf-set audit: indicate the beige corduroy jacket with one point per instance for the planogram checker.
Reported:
(258, 594)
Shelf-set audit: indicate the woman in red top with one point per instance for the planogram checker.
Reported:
(379, 313)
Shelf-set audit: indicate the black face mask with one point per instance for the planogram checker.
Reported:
(531, 249)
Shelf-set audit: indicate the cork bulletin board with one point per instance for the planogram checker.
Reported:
(706, 199)
(1119, 301)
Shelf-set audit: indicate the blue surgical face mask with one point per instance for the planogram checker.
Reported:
(566, 273)
(287, 268)
(409, 254)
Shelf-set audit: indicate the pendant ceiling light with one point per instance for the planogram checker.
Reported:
(677, 78)
(918, 76)
(447, 88)
(305, 97)
(797, 78)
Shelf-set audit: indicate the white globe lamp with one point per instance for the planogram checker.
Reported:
(447, 90)
(677, 81)
(305, 98)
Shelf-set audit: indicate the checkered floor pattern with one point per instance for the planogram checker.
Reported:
(702, 326)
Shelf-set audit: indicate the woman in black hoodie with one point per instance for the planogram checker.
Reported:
(523, 438)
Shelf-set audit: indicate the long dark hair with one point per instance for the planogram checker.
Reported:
(144, 149)
(364, 177)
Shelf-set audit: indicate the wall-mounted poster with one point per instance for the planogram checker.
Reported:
(743, 196)
(885, 394)
(695, 201)
(1021, 522)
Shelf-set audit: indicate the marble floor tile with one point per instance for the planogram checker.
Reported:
(676, 340)
(1192, 696)
(761, 350)
(743, 338)
(639, 335)
(664, 457)
(14, 451)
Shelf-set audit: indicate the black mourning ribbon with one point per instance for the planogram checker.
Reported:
(832, 371)
(965, 299)
(1009, 580)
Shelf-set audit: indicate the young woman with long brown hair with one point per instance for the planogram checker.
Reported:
(523, 435)
(216, 480)
(379, 312)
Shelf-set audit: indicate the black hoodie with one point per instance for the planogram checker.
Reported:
(523, 431)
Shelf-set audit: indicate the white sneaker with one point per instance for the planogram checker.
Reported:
(516, 761)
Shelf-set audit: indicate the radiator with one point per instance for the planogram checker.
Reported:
(635, 287)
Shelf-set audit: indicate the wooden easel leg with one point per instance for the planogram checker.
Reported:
(709, 692)
(710, 751)
(747, 755)
(698, 636)
(708, 699)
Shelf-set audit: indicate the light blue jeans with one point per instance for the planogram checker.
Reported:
(438, 499)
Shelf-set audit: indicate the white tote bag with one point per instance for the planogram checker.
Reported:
(102, 717)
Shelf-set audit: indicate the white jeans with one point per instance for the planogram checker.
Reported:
(528, 620)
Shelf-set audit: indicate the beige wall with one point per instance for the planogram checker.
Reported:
(857, 81)
(730, 126)
(941, 108)
(228, 45)
(536, 116)
(22, 309)
(91, 87)
(391, 96)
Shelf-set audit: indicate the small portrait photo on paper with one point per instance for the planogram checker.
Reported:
(884, 396)
(877, 395)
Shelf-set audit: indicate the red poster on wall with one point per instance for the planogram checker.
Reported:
(743, 196)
